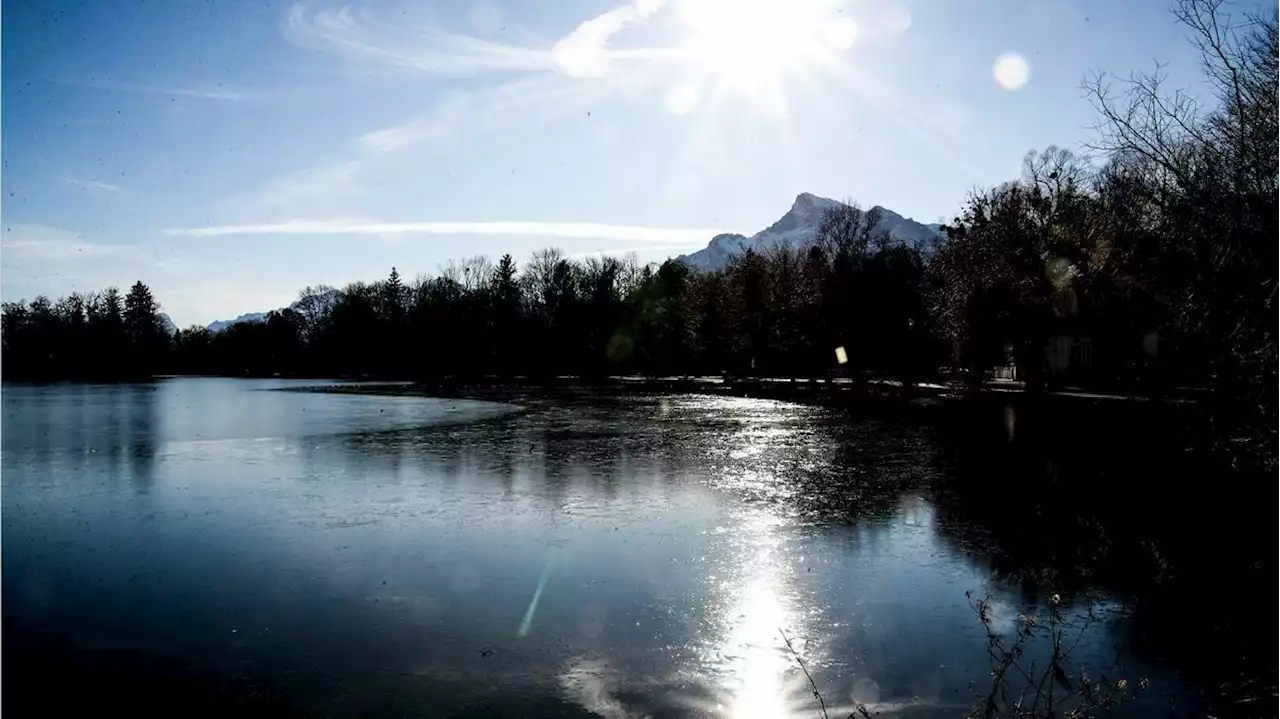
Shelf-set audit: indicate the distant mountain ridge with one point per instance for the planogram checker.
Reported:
(248, 317)
(798, 226)
(327, 298)
(795, 228)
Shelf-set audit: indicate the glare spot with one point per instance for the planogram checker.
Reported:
(840, 34)
(526, 623)
(1011, 71)
(619, 347)
(759, 667)
(682, 98)
(1001, 618)
(580, 57)
(841, 356)
(750, 47)
(1151, 343)
(865, 691)
(593, 684)
(1060, 272)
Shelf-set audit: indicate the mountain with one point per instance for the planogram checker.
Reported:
(326, 299)
(798, 226)
(220, 325)
(166, 323)
(795, 228)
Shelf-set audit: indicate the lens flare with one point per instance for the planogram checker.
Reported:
(1011, 71)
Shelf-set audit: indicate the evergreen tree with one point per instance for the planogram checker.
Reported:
(508, 329)
(144, 333)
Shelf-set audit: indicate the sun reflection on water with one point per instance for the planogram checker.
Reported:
(757, 664)
(757, 677)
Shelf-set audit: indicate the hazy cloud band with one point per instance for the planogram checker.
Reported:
(584, 230)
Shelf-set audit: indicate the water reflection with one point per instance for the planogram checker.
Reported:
(756, 610)
(391, 555)
(62, 430)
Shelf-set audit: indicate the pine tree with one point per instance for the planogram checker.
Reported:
(506, 318)
(112, 308)
(141, 313)
(393, 298)
(143, 330)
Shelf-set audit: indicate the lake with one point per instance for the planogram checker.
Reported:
(212, 541)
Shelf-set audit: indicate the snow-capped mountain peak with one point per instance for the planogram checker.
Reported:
(249, 317)
(797, 227)
(325, 299)
(807, 202)
(806, 211)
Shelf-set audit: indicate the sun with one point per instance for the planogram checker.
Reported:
(752, 47)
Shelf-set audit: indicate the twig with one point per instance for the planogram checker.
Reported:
(808, 676)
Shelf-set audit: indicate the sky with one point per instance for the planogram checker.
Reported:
(230, 153)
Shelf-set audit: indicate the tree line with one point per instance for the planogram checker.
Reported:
(1149, 265)
(780, 312)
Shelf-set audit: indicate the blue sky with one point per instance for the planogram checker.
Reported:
(230, 153)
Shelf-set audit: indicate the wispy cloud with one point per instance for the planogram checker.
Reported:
(55, 261)
(646, 249)
(92, 184)
(402, 135)
(317, 184)
(582, 53)
(578, 230)
(227, 94)
(218, 92)
(525, 105)
(540, 84)
(361, 35)
(45, 243)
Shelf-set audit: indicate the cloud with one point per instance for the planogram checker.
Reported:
(227, 94)
(54, 261)
(525, 105)
(223, 93)
(582, 52)
(201, 300)
(92, 184)
(402, 135)
(45, 243)
(320, 183)
(543, 88)
(358, 34)
(646, 249)
(575, 230)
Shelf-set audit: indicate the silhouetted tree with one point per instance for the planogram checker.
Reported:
(145, 333)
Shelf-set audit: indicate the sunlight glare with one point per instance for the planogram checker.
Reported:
(840, 33)
(682, 98)
(1011, 71)
(747, 45)
(896, 19)
(762, 665)
(580, 58)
